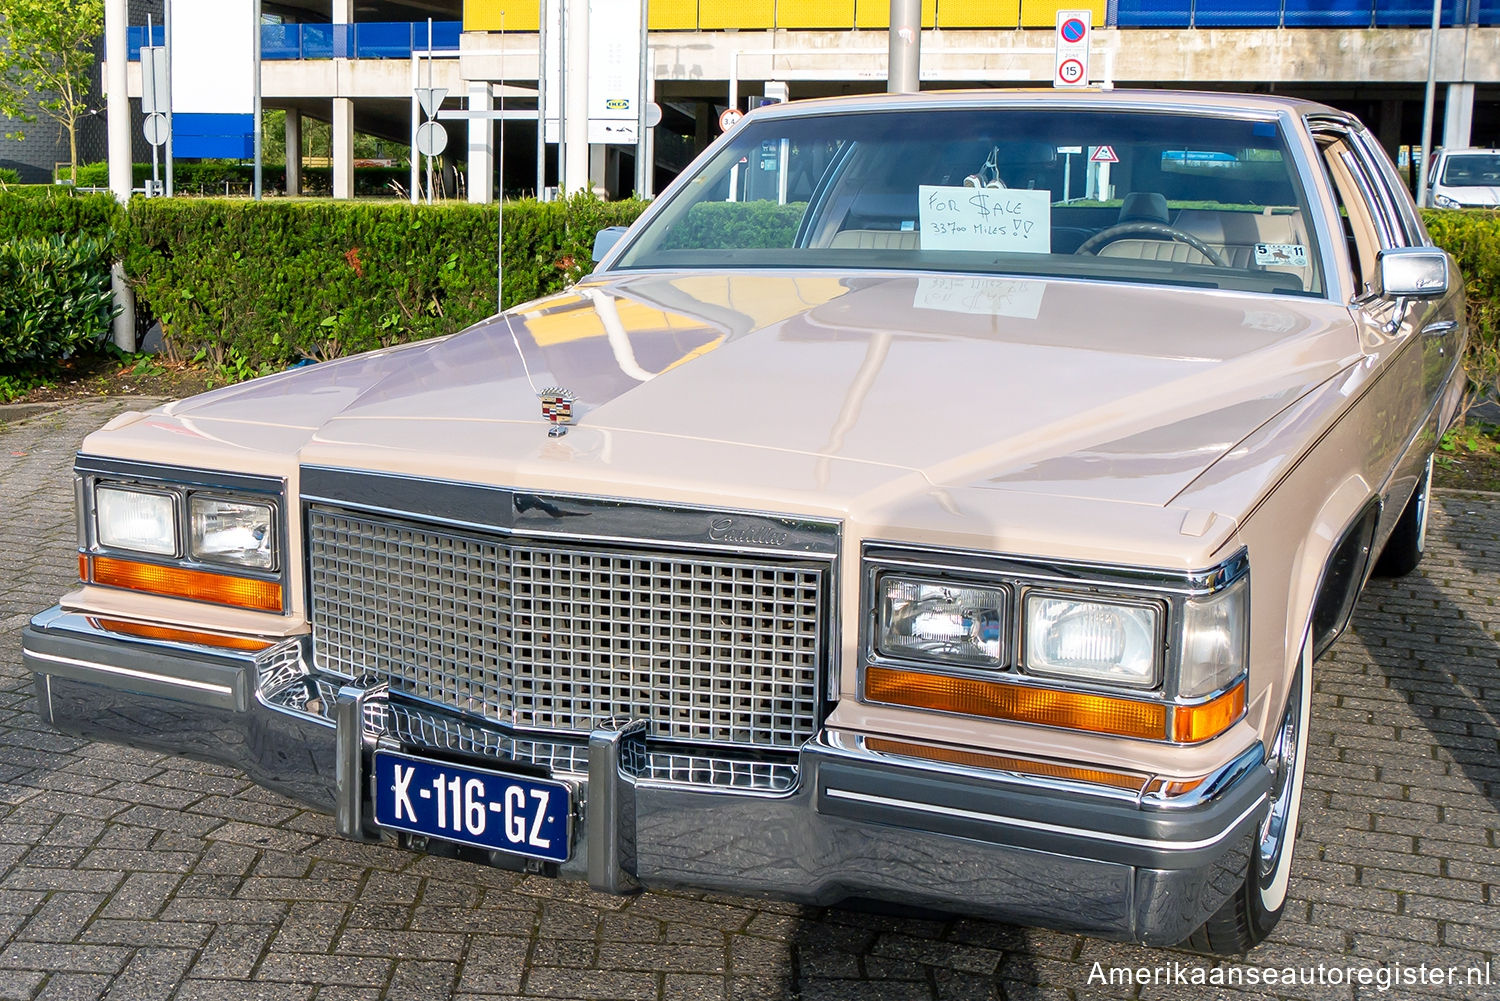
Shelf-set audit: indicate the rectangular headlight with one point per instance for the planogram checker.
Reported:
(1083, 639)
(237, 533)
(136, 520)
(940, 622)
(1215, 635)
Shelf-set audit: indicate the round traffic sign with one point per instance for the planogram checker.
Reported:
(653, 115)
(432, 139)
(730, 118)
(155, 128)
(1070, 71)
(1073, 30)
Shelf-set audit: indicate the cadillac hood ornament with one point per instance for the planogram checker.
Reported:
(557, 407)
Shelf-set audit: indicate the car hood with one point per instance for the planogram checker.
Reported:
(1480, 194)
(811, 387)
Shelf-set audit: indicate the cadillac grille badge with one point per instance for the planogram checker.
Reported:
(557, 407)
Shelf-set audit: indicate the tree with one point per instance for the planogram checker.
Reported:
(47, 61)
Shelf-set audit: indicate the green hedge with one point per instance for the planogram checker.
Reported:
(55, 300)
(9, 175)
(277, 280)
(209, 177)
(1473, 237)
(33, 211)
(269, 282)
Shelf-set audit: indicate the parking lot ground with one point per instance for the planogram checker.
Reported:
(142, 877)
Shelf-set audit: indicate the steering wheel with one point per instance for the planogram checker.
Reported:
(1115, 232)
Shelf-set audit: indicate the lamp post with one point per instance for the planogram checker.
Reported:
(1423, 172)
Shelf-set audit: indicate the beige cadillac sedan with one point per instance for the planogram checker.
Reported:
(940, 499)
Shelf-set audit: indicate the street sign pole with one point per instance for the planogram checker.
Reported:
(430, 112)
(148, 67)
(256, 107)
(541, 103)
(642, 168)
(166, 33)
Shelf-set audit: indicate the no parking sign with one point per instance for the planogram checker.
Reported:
(1073, 29)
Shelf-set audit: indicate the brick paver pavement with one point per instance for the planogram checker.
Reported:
(142, 877)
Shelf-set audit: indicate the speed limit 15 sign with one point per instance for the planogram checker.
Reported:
(1072, 42)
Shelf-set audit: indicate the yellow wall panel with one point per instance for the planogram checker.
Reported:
(750, 14)
(1043, 13)
(489, 15)
(672, 15)
(877, 13)
(979, 13)
(815, 13)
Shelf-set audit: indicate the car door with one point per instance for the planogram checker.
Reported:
(1442, 330)
(1396, 407)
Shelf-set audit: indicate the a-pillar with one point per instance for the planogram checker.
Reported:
(481, 146)
(1458, 116)
(343, 107)
(293, 151)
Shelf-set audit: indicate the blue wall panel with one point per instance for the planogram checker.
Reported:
(1237, 13)
(1153, 13)
(222, 137)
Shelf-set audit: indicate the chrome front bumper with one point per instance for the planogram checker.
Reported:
(841, 819)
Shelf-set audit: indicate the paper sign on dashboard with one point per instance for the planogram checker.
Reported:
(995, 220)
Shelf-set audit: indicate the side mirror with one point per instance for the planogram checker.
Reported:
(605, 240)
(1413, 273)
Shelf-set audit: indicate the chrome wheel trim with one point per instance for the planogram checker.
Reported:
(1282, 759)
(1287, 756)
(1426, 491)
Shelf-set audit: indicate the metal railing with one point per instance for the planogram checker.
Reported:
(367, 40)
(1298, 13)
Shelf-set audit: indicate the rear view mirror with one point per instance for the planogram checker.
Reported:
(605, 240)
(1413, 272)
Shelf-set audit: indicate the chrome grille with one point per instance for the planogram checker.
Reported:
(547, 637)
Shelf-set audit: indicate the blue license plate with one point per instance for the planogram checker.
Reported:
(472, 806)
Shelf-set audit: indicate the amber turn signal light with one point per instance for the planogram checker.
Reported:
(1005, 763)
(181, 582)
(1191, 724)
(171, 635)
(1020, 703)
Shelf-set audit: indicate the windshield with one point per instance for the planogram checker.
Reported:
(1471, 170)
(1113, 195)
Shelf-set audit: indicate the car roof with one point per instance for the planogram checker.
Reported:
(1267, 105)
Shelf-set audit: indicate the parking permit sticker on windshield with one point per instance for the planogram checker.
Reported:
(1291, 255)
(997, 220)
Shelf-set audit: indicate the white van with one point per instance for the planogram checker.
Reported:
(1465, 178)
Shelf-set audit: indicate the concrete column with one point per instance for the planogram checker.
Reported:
(481, 146)
(116, 18)
(576, 168)
(343, 147)
(343, 113)
(293, 151)
(1388, 127)
(703, 126)
(1458, 115)
(117, 94)
(599, 169)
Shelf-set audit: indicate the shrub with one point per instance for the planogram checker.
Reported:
(55, 300)
(1473, 237)
(209, 177)
(34, 211)
(9, 175)
(273, 281)
(737, 226)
